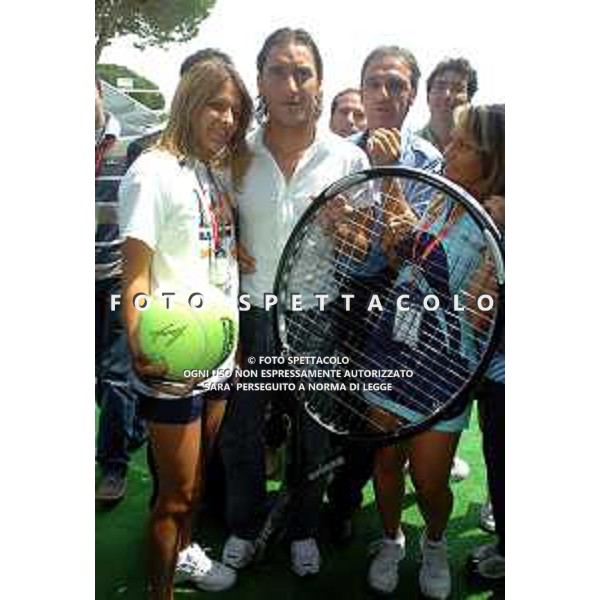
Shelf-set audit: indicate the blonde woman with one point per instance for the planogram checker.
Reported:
(179, 228)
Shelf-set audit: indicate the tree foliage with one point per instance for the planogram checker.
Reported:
(110, 73)
(153, 22)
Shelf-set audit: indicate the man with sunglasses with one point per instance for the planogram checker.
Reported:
(389, 82)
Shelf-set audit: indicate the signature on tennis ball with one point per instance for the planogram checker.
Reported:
(171, 332)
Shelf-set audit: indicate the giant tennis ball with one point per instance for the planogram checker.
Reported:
(186, 338)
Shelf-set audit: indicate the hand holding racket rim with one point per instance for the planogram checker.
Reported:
(433, 258)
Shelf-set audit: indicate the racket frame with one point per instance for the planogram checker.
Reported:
(494, 241)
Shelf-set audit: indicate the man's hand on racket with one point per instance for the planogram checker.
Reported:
(351, 242)
(383, 146)
(396, 230)
(398, 218)
(345, 224)
(337, 211)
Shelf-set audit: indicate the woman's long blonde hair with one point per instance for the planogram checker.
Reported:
(196, 88)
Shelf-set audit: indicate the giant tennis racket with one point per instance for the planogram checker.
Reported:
(400, 277)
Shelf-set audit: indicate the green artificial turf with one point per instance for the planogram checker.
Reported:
(120, 537)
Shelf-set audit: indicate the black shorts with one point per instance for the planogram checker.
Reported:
(180, 411)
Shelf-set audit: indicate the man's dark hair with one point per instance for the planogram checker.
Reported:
(403, 53)
(337, 97)
(286, 35)
(462, 66)
(202, 55)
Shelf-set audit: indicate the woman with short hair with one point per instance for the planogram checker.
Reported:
(474, 160)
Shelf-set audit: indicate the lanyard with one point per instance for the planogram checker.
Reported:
(419, 258)
(217, 205)
(434, 243)
(216, 208)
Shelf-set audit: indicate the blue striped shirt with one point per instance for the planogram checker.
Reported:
(414, 152)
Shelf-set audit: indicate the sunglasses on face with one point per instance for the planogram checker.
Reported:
(395, 86)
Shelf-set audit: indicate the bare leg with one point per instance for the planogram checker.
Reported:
(176, 450)
(388, 477)
(431, 455)
(389, 487)
(211, 422)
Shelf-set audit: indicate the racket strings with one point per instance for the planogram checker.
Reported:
(457, 329)
(338, 324)
(336, 269)
(359, 411)
(332, 253)
(421, 361)
(329, 414)
(372, 364)
(435, 273)
(426, 337)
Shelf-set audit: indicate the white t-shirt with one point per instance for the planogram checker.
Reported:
(269, 206)
(172, 206)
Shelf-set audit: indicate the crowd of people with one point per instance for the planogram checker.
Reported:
(212, 200)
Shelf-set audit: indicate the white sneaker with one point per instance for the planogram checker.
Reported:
(486, 518)
(383, 570)
(460, 469)
(193, 565)
(306, 559)
(237, 552)
(434, 576)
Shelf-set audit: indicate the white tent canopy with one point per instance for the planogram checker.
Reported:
(133, 116)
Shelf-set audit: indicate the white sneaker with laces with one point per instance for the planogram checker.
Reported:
(306, 559)
(383, 570)
(434, 576)
(238, 552)
(194, 566)
(460, 469)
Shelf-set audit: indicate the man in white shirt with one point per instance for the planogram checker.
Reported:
(292, 162)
